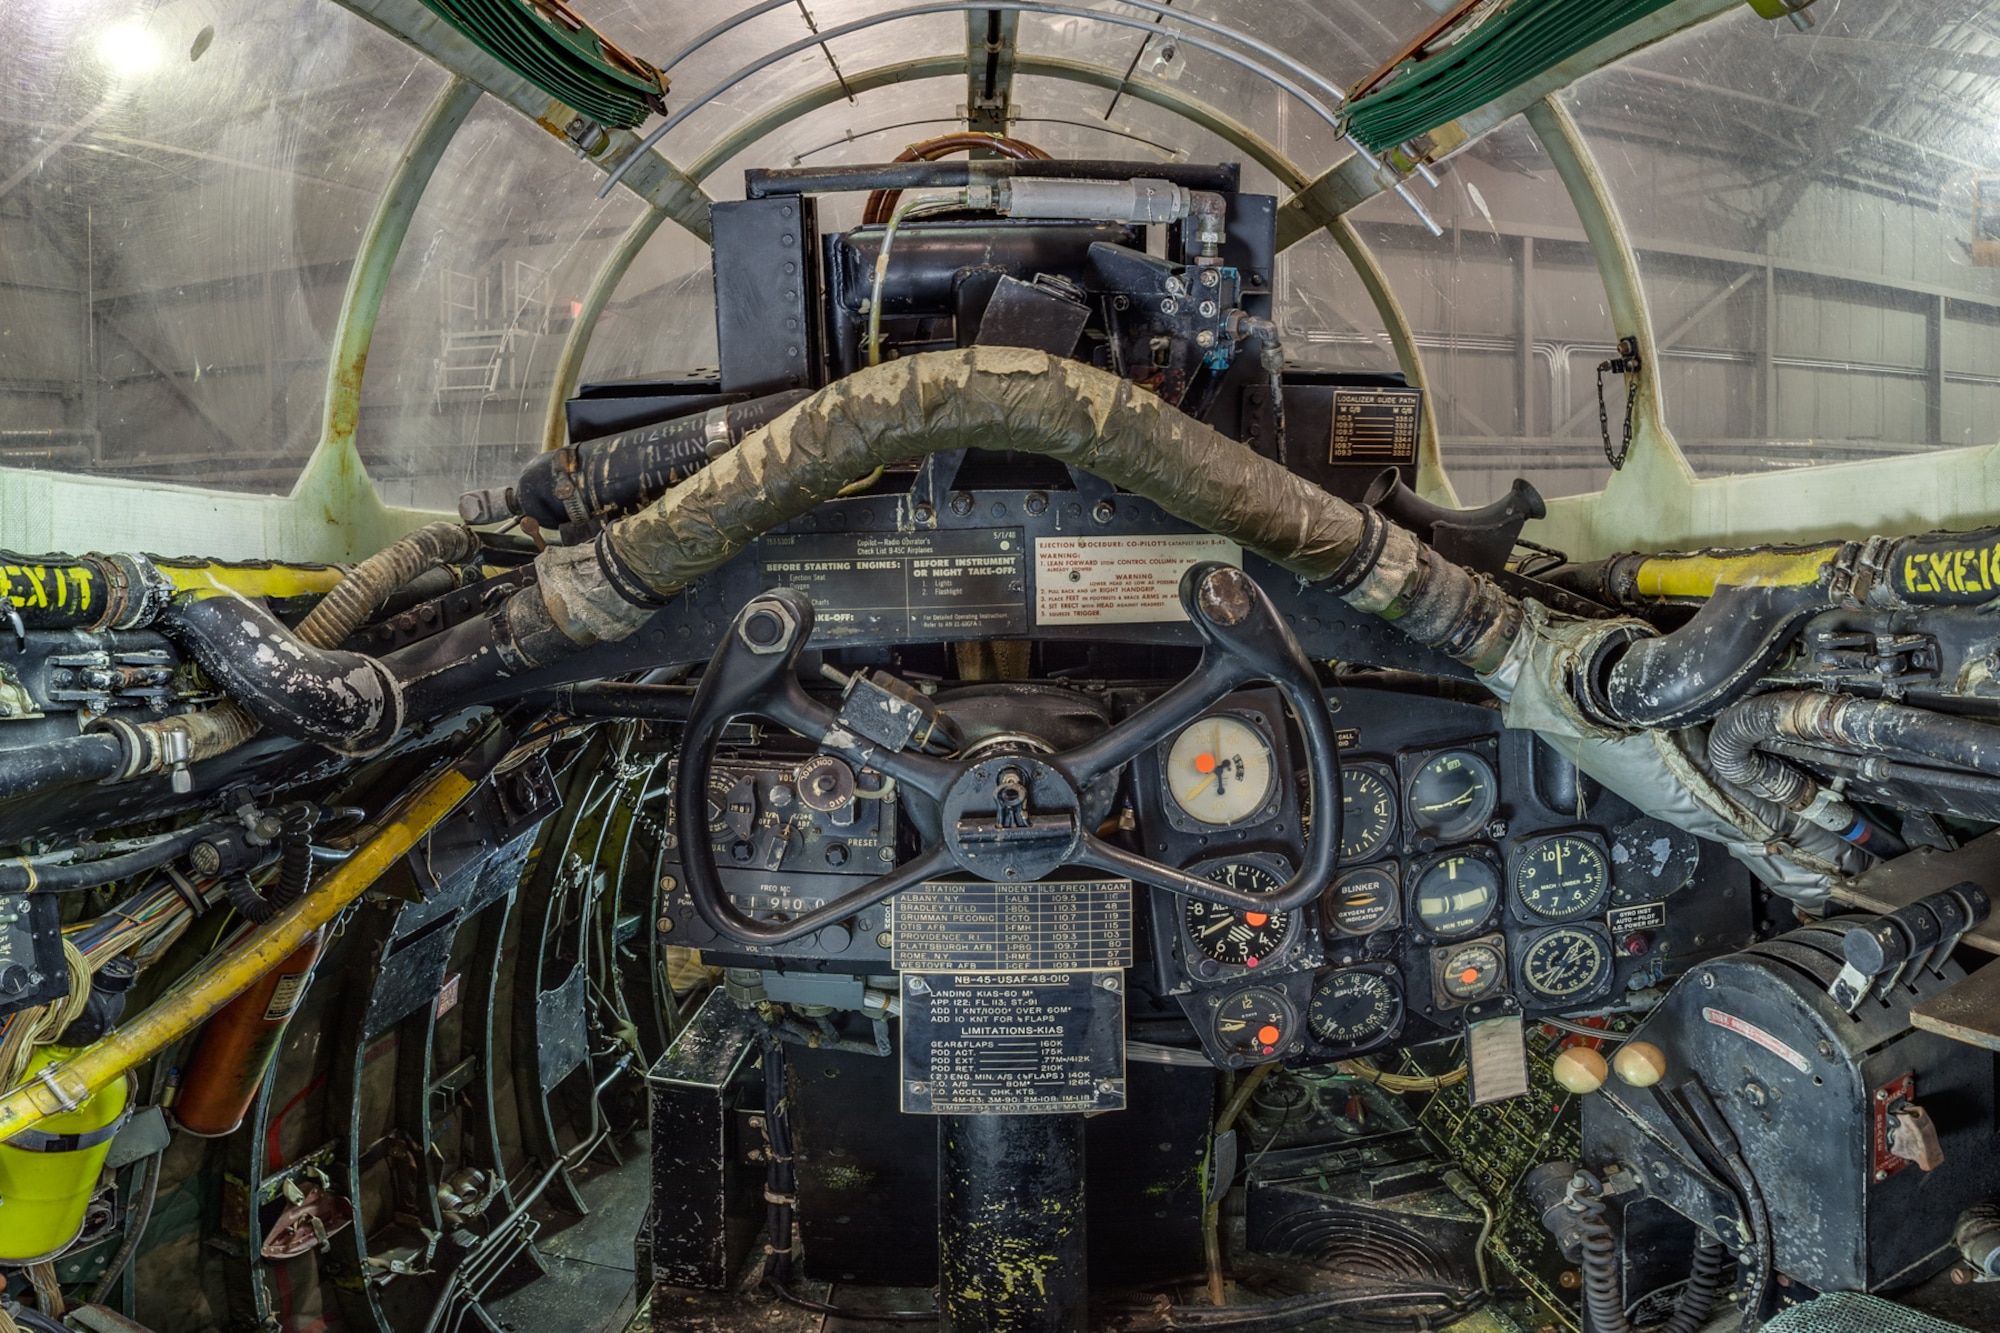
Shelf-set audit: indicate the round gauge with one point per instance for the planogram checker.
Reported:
(1357, 1008)
(1651, 860)
(1221, 770)
(1367, 812)
(1238, 939)
(1561, 877)
(1255, 1024)
(1453, 794)
(1469, 972)
(1457, 893)
(1566, 963)
(1362, 901)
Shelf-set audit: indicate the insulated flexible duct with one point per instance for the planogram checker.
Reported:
(983, 398)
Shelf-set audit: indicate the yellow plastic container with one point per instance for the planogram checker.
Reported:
(48, 1174)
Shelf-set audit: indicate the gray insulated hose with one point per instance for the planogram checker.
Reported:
(1000, 398)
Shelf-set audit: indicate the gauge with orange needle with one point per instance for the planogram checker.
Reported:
(1471, 971)
(1255, 1025)
(1231, 938)
(1220, 770)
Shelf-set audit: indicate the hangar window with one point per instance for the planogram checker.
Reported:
(181, 189)
(1803, 211)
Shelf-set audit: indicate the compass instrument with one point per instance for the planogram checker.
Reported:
(1356, 1008)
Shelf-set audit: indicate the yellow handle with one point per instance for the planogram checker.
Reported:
(61, 1087)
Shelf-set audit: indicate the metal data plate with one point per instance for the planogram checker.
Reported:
(1013, 1043)
(909, 585)
(987, 927)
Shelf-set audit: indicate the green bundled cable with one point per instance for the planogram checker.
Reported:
(552, 48)
(1511, 45)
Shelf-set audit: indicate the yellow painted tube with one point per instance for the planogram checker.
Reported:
(58, 1088)
(280, 581)
(1699, 575)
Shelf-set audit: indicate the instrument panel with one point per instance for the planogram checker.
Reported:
(1480, 875)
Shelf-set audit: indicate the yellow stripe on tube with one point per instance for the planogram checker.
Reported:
(280, 581)
(1701, 575)
(179, 1012)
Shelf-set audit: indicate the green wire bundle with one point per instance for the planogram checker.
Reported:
(570, 65)
(1523, 39)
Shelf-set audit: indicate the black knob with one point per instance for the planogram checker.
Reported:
(764, 628)
(1874, 949)
(836, 854)
(742, 853)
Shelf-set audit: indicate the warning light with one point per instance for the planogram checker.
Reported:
(1204, 763)
(1268, 1035)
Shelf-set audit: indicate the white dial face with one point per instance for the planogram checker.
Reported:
(1220, 771)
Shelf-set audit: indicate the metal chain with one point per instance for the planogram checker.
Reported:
(1626, 363)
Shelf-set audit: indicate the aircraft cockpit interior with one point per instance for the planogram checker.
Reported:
(1012, 666)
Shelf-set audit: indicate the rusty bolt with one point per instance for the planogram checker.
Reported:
(1571, 1279)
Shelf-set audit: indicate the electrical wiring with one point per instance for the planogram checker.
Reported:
(1402, 1085)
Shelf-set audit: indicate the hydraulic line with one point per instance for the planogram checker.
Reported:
(349, 605)
(27, 875)
(70, 1082)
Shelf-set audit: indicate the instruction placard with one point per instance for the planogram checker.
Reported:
(920, 585)
(1013, 1043)
(1119, 580)
(1375, 425)
(987, 927)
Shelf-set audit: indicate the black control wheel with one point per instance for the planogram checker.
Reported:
(1012, 817)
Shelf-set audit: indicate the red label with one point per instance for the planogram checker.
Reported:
(1758, 1035)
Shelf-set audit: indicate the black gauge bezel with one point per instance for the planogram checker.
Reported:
(1170, 805)
(1441, 956)
(1463, 827)
(1600, 984)
(1330, 901)
(1390, 975)
(1518, 855)
(1289, 1029)
(1192, 954)
(1413, 881)
(1392, 788)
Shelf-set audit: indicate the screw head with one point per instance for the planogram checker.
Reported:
(961, 503)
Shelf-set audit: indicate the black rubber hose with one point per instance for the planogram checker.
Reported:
(656, 703)
(251, 905)
(1603, 1293)
(27, 1316)
(296, 865)
(621, 472)
(1881, 727)
(346, 701)
(1703, 1284)
(67, 877)
(1690, 675)
(65, 763)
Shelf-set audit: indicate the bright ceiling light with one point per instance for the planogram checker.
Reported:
(127, 49)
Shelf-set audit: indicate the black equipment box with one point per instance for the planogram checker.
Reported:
(1808, 1091)
(707, 1197)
